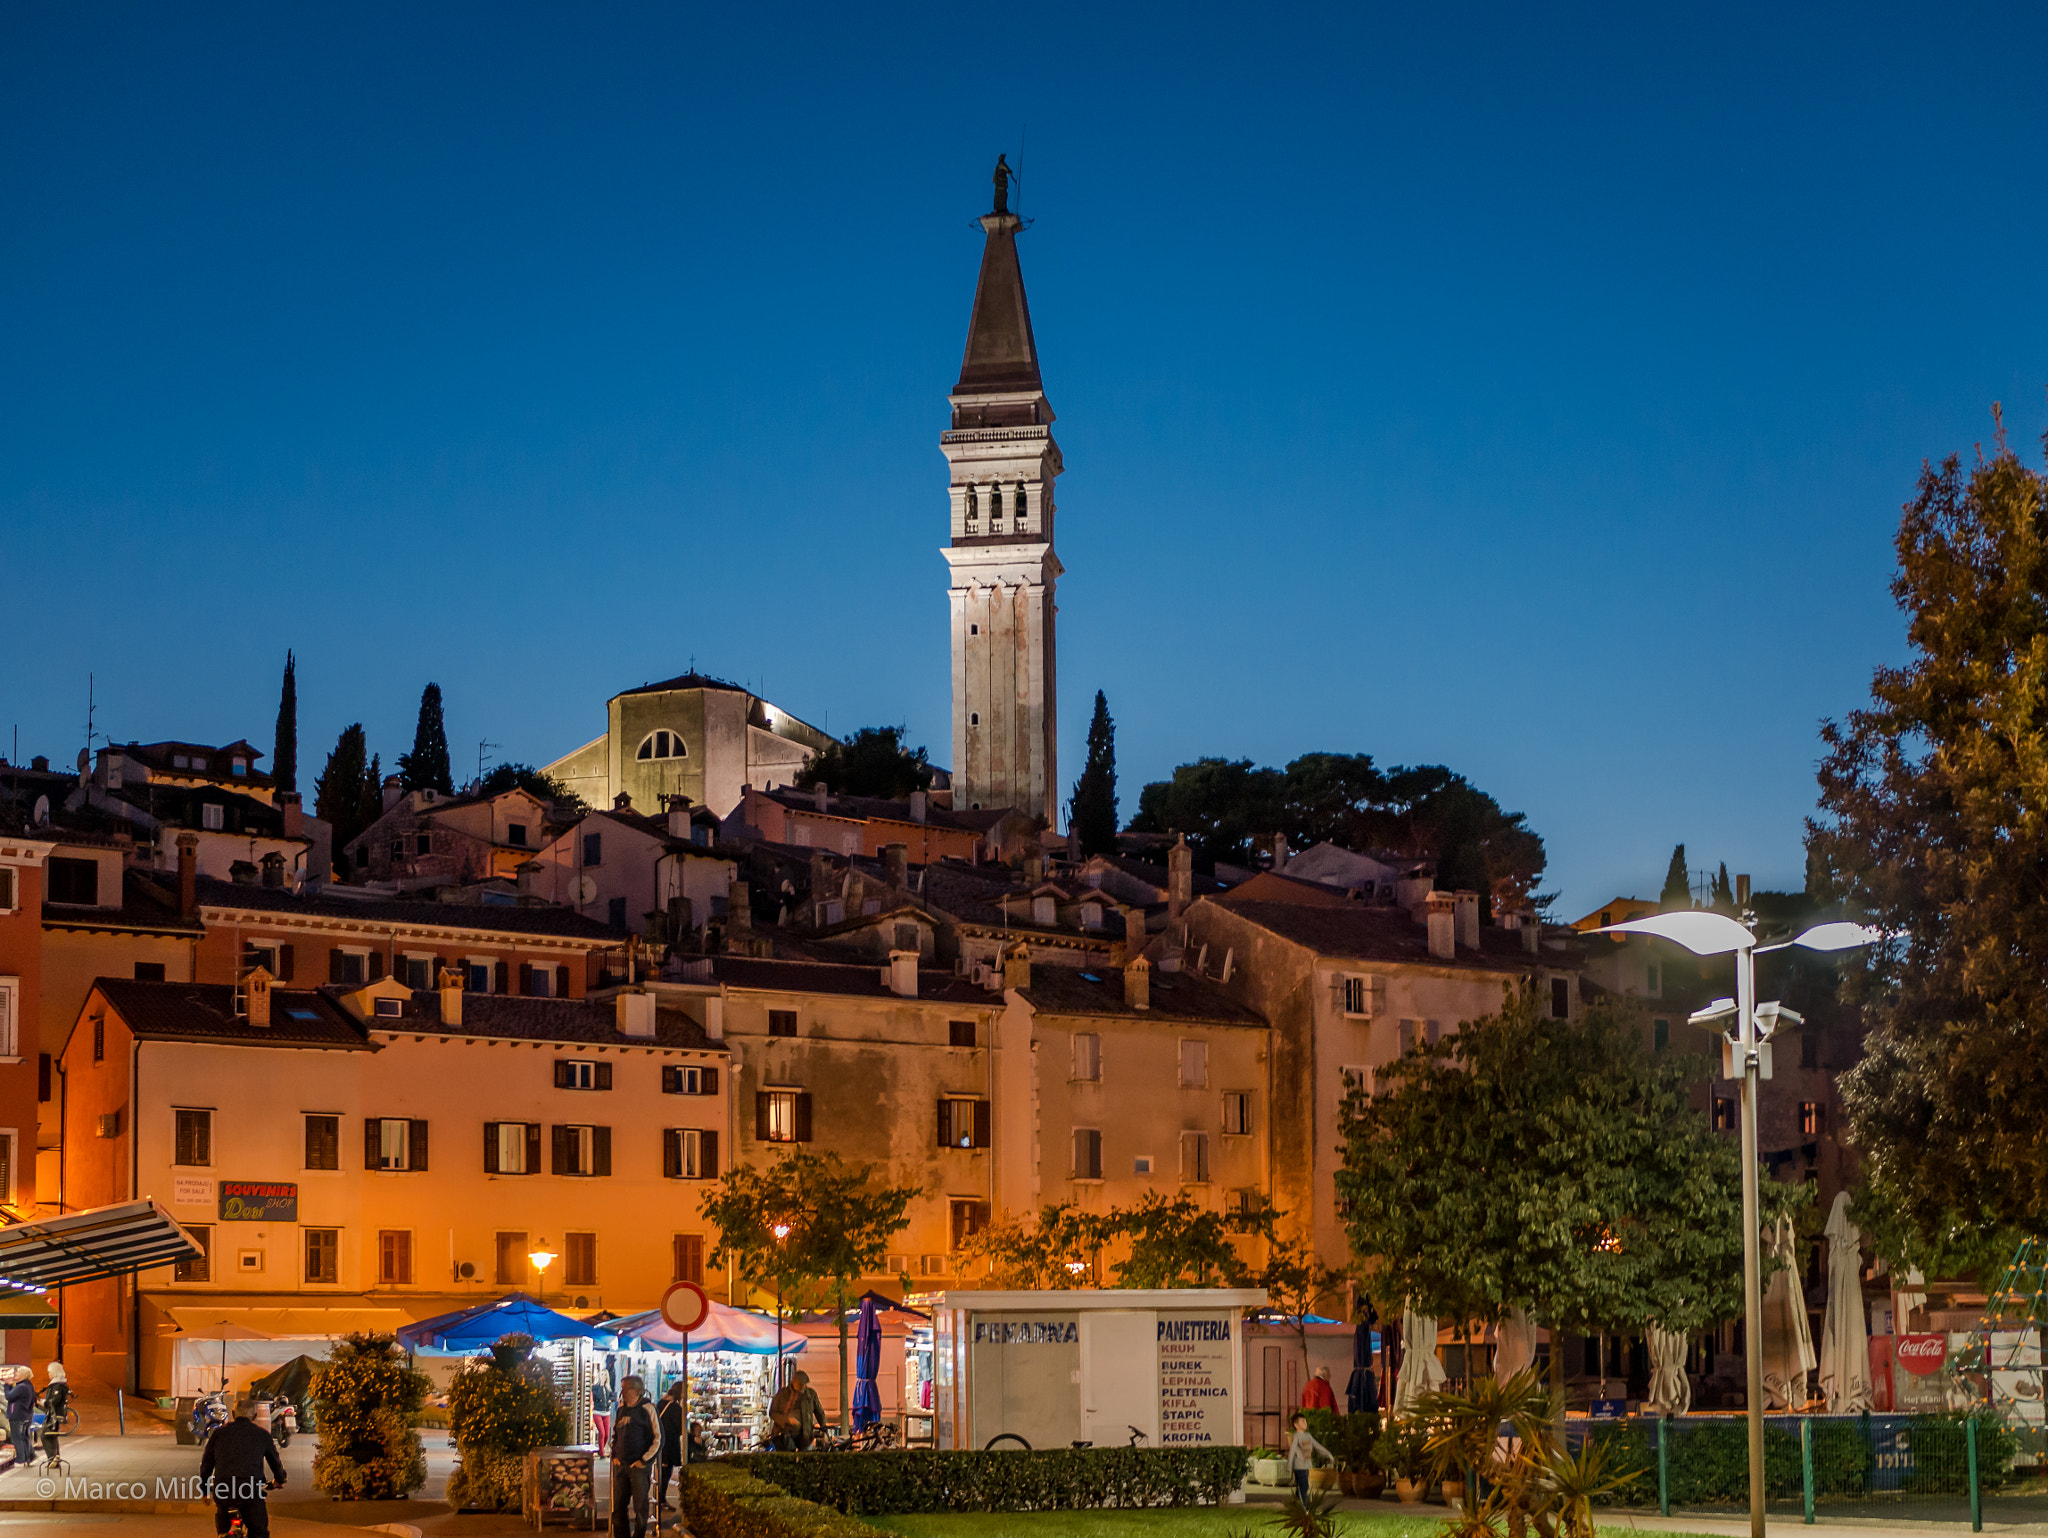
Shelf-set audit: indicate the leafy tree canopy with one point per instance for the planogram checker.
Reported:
(1093, 814)
(1551, 1165)
(568, 806)
(872, 762)
(1932, 823)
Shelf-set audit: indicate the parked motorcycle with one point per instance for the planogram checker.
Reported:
(284, 1420)
(209, 1413)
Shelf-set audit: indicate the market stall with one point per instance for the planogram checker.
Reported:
(569, 1348)
(896, 1324)
(729, 1361)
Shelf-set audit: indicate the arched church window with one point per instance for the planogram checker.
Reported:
(974, 718)
(662, 744)
(973, 504)
(995, 504)
(1021, 505)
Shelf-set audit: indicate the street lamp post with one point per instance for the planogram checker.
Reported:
(542, 1257)
(1715, 934)
(781, 1232)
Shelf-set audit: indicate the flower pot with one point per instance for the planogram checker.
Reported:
(1270, 1471)
(1365, 1484)
(1453, 1492)
(1322, 1479)
(1409, 1491)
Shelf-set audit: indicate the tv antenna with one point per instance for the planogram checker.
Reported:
(481, 749)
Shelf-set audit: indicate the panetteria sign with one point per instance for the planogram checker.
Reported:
(1922, 1355)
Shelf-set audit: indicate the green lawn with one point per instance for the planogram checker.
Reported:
(1200, 1522)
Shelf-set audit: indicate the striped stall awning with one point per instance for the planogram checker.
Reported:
(84, 1246)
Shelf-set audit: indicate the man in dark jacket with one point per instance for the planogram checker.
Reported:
(233, 1467)
(21, 1410)
(671, 1418)
(633, 1442)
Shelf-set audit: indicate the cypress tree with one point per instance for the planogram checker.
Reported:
(284, 756)
(372, 802)
(1677, 891)
(338, 793)
(1093, 810)
(426, 766)
(1722, 897)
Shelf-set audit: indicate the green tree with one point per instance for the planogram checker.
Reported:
(872, 762)
(1932, 825)
(1222, 805)
(498, 1411)
(284, 756)
(1721, 896)
(1551, 1165)
(1332, 798)
(1061, 1247)
(837, 1221)
(1677, 891)
(1178, 1243)
(338, 793)
(1298, 1281)
(426, 766)
(1093, 813)
(365, 1399)
(568, 806)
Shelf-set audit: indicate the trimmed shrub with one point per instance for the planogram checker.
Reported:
(1056, 1479)
(365, 1399)
(720, 1501)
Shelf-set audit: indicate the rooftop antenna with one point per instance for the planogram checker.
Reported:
(481, 749)
(1022, 134)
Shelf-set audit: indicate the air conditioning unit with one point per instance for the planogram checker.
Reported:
(110, 1124)
(896, 1265)
(931, 1265)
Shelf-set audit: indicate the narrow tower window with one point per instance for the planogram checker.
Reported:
(973, 505)
(995, 503)
(1021, 506)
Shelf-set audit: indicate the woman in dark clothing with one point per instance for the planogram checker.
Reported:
(671, 1418)
(56, 1399)
(21, 1409)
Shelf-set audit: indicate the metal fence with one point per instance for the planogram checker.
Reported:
(1949, 1468)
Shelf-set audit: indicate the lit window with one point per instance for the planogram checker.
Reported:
(241, 766)
(1813, 1118)
(963, 1122)
(1724, 1114)
(782, 1116)
(662, 744)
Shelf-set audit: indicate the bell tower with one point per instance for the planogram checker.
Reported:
(1002, 461)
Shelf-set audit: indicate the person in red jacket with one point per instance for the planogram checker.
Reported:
(1319, 1395)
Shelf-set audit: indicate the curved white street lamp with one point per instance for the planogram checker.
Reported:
(1715, 934)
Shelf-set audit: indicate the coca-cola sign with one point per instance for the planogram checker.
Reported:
(1921, 1355)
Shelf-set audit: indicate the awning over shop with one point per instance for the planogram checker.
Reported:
(84, 1246)
(723, 1329)
(308, 1323)
(482, 1324)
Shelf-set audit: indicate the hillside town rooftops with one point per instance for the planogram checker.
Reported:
(146, 907)
(205, 1012)
(1368, 933)
(779, 976)
(1179, 996)
(508, 1017)
(486, 918)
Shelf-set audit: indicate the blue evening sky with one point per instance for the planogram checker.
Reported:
(1527, 389)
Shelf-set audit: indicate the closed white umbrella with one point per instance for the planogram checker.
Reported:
(1788, 1338)
(1670, 1388)
(1844, 1340)
(1514, 1344)
(1421, 1372)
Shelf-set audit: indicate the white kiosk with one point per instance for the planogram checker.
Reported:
(1057, 1368)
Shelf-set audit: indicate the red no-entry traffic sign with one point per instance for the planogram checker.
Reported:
(684, 1306)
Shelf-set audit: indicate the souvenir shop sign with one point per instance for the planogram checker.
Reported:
(258, 1201)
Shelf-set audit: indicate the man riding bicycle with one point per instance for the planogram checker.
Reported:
(232, 1467)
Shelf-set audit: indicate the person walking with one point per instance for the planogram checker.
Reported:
(1319, 1395)
(806, 1412)
(56, 1400)
(21, 1411)
(1301, 1451)
(601, 1410)
(232, 1469)
(671, 1419)
(633, 1443)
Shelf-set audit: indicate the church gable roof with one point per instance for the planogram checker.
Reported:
(1002, 356)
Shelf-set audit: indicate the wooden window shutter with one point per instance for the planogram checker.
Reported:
(671, 1153)
(561, 982)
(533, 1148)
(525, 979)
(707, 1081)
(373, 1130)
(945, 1122)
(561, 1073)
(561, 1151)
(417, 1145)
(503, 975)
(375, 970)
(604, 1075)
(803, 1116)
(761, 1116)
(671, 1081)
(707, 1155)
(600, 1150)
(335, 962)
(490, 1148)
(284, 963)
(981, 1124)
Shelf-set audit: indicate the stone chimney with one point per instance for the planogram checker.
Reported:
(188, 875)
(1135, 936)
(256, 992)
(636, 1015)
(1180, 878)
(1279, 853)
(1034, 867)
(821, 796)
(623, 801)
(1440, 914)
(896, 864)
(679, 817)
(449, 982)
(739, 907)
(1138, 983)
(917, 806)
(273, 869)
(1017, 966)
(294, 811)
(394, 791)
(112, 763)
(1468, 919)
(1532, 931)
(902, 974)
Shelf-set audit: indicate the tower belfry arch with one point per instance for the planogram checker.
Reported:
(1002, 463)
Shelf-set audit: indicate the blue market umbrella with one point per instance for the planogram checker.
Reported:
(484, 1324)
(867, 1363)
(1362, 1392)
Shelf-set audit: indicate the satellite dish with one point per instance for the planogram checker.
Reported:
(84, 759)
(42, 811)
(586, 890)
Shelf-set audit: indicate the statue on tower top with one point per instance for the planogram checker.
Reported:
(1002, 180)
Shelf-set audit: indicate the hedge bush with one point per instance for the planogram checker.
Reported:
(1056, 1479)
(720, 1501)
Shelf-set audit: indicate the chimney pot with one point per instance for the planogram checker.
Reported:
(450, 984)
(1017, 966)
(903, 974)
(1532, 932)
(917, 811)
(188, 875)
(636, 1015)
(739, 907)
(394, 791)
(821, 796)
(896, 864)
(1440, 914)
(679, 818)
(256, 993)
(1468, 919)
(1279, 853)
(1180, 878)
(1138, 983)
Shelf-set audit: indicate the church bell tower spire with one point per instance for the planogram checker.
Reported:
(1002, 460)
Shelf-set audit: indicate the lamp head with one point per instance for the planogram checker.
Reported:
(1838, 937)
(1699, 931)
(1714, 1013)
(541, 1256)
(781, 1232)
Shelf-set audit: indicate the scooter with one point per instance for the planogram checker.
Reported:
(209, 1414)
(284, 1420)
